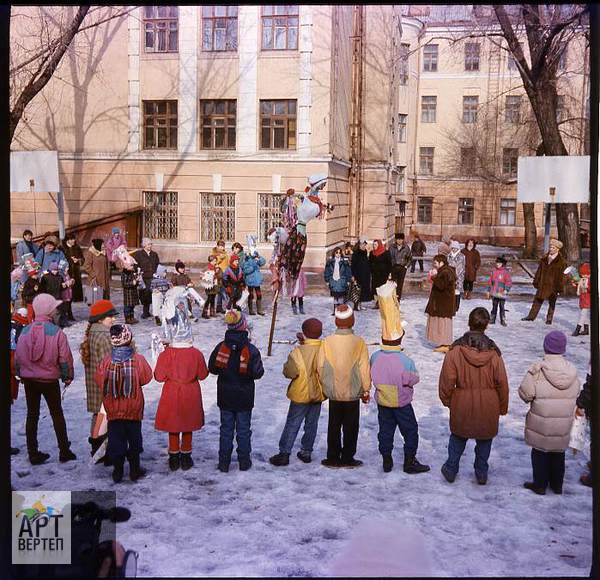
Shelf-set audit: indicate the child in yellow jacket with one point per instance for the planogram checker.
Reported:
(220, 253)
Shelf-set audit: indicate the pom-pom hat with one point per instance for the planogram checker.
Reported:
(101, 309)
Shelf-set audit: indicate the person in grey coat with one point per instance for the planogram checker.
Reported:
(401, 256)
(456, 260)
(26, 246)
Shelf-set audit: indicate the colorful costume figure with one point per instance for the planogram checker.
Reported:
(585, 301)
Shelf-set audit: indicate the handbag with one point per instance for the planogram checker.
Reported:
(353, 292)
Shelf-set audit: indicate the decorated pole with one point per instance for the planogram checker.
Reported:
(273, 317)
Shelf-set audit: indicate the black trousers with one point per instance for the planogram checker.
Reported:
(468, 285)
(495, 303)
(124, 439)
(398, 274)
(548, 468)
(343, 416)
(414, 263)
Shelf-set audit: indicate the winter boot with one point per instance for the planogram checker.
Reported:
(492, 319)
(412, 465)
(503, 320)
(388, 463)
(205, 313)
(157, 320)
(577, 331)
(280, 459)
(117, 474)
(66, 455)
(557, 489)
(294, 308)
(352, 463)
(304, 456)
(146, 312)
(449, 477)
(14, 451)
(301, 305)
(135, 470)
(531, 485)
(586, 330)
(481, 479)
(259, 309)
(251, 306)
(223, 466)
(186, 461)
(38, 458)
(174, 461)
(245, 463)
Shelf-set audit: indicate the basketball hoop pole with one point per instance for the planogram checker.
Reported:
(60, 202)
(552, 192)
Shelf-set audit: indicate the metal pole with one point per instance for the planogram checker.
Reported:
(548, 219)
(61, 214)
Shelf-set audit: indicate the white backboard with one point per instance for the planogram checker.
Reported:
(39, 166)
(568, 174)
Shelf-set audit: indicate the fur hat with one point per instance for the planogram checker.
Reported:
(120, 335)
(51, 240)
(45, 304)
(455, 245)
(146, 241)
(235, 320)
(344, 316)
(399, 236)
(556, 243)
(312, 328)
(101, 309)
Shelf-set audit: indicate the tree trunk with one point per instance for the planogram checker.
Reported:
(530, 231)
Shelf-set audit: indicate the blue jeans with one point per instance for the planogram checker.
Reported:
(403, 418)
(456, 447)
(222, 295)
(238, 422)
(298, 412)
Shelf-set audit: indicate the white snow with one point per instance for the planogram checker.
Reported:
(295, 520)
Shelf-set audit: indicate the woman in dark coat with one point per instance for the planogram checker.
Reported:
(380, 262)
(472, 264)
(74, 255)
(361, 270)
(441, 306)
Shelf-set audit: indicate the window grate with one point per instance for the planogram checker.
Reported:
(160, 215)
(217, 221)
(269, 213)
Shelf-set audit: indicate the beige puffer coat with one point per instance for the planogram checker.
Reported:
(551, 386)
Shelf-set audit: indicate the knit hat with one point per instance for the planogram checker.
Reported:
(161, 271)
(179, 265)
(389, 311)
(584, 269)
(454, 245)
(100, 310)
(45, 305)
(556, 243)
(51, 240)
(116, 231)
(312, 328)
(555, 342)
(53, 266)
(344, 316)
(235, 320)
(97, 244)
(120, 335)
(234, 258)
(501, 260)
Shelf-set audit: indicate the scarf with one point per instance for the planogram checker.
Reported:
(380, 248)
(336, 268)
(119, 380)
(224, 354)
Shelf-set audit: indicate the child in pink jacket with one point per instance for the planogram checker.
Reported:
(499, 286)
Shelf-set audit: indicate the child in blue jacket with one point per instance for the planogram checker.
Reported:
(251, 268)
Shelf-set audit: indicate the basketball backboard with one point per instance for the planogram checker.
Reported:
(34, 171)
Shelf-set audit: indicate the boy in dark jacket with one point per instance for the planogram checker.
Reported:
(53, 284)
(237, 363)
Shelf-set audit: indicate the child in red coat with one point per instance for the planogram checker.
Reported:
(121, 376)
(180, 366)
(585, 300)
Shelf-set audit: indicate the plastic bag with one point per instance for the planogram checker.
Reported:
(580, 435)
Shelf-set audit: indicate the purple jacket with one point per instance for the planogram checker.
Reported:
(43, 352)
(394, 375)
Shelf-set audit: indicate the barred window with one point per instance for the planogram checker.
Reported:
(512, 109)
(424, 210)
(218, 123)
(470, 106)
(160, 124)
(467, 161)
(269, 213)
(426, 160)
(404, 70)
(472, 56)
(161, 28)
(217, 217)
(510, 158)
(508, 211)
(278, 124)
(219, 28)
(466, 210)
(402, 121)
(428, 109)
(280, 27)
(160, 215)
(430, 57)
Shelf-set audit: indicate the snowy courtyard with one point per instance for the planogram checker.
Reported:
(294, 520)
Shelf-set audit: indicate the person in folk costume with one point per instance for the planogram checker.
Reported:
(222, 262)
(159, 285)
(251, 265)
(297, 293)
(180, 367)
(120, 378)
(116, 240)
(361, 272)
(277, 236)
(472, 264)
(585, 301)
(380, 263)
(18, 322)
(337, 274)
(498, 289)
(131, 276)
(233, 280)
(305, 393)
(237, 364)
(441, 305)
(181, 278)
(74, 255)
(456, 260)
(97, 268)
(148, 261)
(394, 375)
(548, 281)
(211, 281)
(96, 346)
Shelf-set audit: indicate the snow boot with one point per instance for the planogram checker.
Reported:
(586, 330)
(38, 458)
(280, 459)
(492, 319)
(294, 308)
(388, 463)
(245, 464)
(186, 461)
(301, 305)
(251, 307)
(351, 464)
(503, 320)
(14, 451)
(117, 474)
(557, 489)
(531, 485)
(331, 463)
(223, 466)
(66, 455)
(205, 313)
(412, 465)
(259, 309)
(577, 331)
(174, 461)
(449, 477)
(135, 470)
(481, 479)
(146, 312)
(304, 456)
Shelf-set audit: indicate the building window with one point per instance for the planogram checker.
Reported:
(160, 124)
(510, 159)
(401, 180)
(430, 57)
(160, 215)
(217, 217)
(269, 213)
(508, 212)
(512, 109)
(218, 124)
(425, 210)
(219, 28)
(511, 62)
(404, 70)
(466, 210)
(428, 109)
(426, 160)
(560, 108)
(280, 27)
(402, 120)
(467, 161)
(278, 124)
(470, 106)
(472, 56)
(161, 26)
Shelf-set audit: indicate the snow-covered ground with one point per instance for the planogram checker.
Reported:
(293, 521)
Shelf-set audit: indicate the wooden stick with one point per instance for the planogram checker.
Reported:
(273, 317)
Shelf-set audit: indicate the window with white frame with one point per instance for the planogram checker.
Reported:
(160, 215)
(430, 57)
(466, 210)
(269, 213)
(217, 217)
(161, 28)
(508, 211)
(470, 106)
(472, 50)
(510, 158)
(426, 160)
(402, 122)
(512, 109)
(428, 109)
(219, 28)
(280, 27)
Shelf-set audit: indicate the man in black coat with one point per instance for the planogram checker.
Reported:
(148, 262)
(401, 257)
